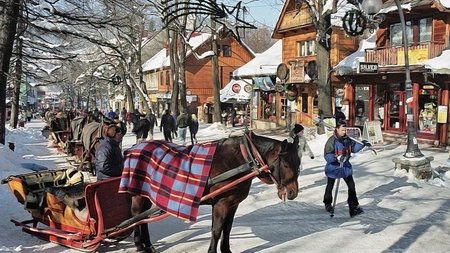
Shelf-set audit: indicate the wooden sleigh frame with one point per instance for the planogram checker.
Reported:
(107, 213)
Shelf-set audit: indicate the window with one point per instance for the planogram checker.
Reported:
(167, 78)
(226, 50)
(425, 28)
(397, 36)
(306, 48)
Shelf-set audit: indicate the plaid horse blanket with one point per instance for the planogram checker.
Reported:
(173, 177)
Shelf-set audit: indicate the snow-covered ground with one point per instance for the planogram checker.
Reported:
(402, 214)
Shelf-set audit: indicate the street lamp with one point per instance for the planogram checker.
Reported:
(371, 7)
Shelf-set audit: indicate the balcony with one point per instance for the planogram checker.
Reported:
(418, 53)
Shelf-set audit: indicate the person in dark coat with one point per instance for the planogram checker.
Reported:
(153, 122)
(167, 125)
(339, 115)
(141, 128)
(193, 128)
(108, 156)
(337, 154)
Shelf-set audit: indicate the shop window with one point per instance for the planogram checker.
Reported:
(268, 105)
(284, 107)
(428, 100)
(361, 105)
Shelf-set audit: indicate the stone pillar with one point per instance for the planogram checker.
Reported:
(420, 167)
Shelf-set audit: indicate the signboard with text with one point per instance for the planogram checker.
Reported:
(367, 67)
(372, 132)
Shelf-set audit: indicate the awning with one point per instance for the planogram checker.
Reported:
(236, 91)
(264, 83)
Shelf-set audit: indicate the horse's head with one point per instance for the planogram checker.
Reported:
(283, 162)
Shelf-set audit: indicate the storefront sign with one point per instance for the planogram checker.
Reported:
(372, 132)
(367, 67)
(416, 55)
(442, 114)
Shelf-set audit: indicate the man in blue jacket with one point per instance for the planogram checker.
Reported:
(337, 153)
(108, 156)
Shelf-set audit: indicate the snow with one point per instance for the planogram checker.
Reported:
(402, 214)
(440, 64)
(445, 3)
(350, 63)
(263, 64)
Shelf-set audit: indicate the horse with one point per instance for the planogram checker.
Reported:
(91, 134)
(229, 180)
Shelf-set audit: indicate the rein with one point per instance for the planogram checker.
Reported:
(257, 157)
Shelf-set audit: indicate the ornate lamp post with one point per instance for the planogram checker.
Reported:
(371, 7)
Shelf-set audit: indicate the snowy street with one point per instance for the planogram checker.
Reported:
(402, 214)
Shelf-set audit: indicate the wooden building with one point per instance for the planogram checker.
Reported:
(377, 93)
(297, 31)
(198, 71)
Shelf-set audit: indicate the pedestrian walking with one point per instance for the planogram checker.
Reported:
(182, 124)
(339, 115)
(337, 154)
(296, 136)
(193, 128)
(153, 122)
(141, 128)
(167, 125)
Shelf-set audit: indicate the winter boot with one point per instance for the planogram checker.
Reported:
(329, 208)
(356, 211)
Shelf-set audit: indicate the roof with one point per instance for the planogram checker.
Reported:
(440, 64)
(349, 64)
(263, 64)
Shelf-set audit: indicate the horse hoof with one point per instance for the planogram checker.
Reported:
(149, 249)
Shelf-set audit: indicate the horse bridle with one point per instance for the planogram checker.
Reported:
(252, 154)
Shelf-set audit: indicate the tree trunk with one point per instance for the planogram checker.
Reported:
(15, 103)
(324, 87)
(8, 22)
(215, 73)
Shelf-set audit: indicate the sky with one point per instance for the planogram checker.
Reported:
(402, 214)
(262, 12)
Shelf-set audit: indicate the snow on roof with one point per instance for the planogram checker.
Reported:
(350, 63)
(159, 60)
(228, 94)
(265, 63)
(342, 7)
(440, 64)
(445, 3)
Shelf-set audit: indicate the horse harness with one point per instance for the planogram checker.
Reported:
(253, 162)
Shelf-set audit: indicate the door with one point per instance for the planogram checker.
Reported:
(395, 117)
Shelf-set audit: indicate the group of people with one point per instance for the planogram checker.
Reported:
(337, 150)
(171, 123)
(337, 153)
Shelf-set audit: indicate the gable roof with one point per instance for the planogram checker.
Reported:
(162, 59)
(263, 64)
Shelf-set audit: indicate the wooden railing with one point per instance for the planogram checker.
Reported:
(395, 55)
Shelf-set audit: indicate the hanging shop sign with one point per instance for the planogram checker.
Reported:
(236, 88)
(354, 22)
(368, 67)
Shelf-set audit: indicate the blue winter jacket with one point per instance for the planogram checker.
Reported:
(336, 147)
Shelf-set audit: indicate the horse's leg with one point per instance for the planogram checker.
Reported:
(225, 243)
(141, 233)
(221, 212)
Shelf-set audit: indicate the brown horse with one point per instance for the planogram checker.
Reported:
(236, 161)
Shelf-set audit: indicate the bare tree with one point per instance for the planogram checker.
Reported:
(8, 20)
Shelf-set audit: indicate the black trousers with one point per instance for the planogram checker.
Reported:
(352, 200)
